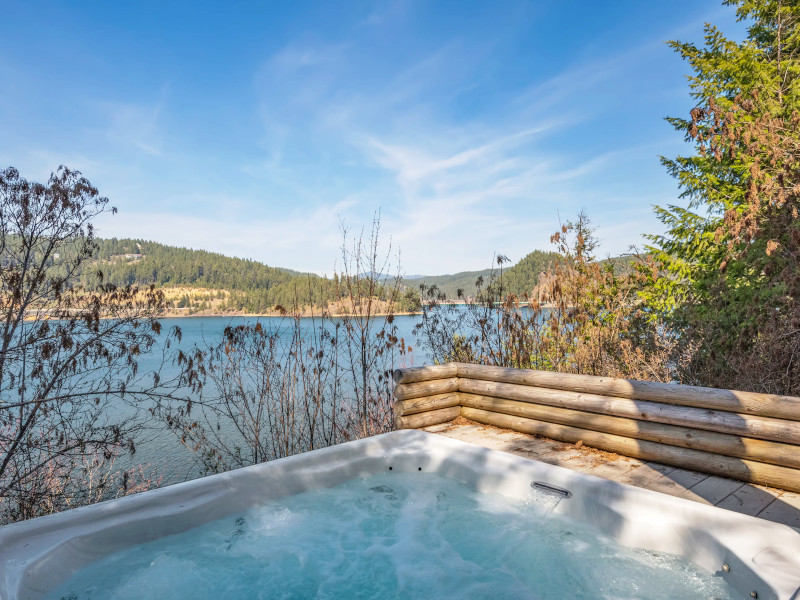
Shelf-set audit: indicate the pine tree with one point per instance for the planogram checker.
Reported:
(731, 256)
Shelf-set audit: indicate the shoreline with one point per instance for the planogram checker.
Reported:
(184, 314)
(303, 315)
(218, 314)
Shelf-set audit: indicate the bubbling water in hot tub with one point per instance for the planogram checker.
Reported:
(411, 535)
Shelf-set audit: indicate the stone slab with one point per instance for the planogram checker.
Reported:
(642, 475)
(749, 499)
(676, 482)
(712, 490)
(784, 509)
(615, 468)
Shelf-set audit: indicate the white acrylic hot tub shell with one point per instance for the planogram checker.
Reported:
(37, 555)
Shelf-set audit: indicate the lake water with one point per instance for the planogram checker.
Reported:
(158, 446)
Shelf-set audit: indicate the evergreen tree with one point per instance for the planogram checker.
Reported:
(730, 257)
(523, 277)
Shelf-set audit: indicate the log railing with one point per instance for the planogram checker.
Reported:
(747, 436)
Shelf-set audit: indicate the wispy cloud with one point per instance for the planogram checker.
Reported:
(441, 180)
(414, 165)
(295, 241)
(133, 125)
(471, 128)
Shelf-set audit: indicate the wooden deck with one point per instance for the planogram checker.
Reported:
(755, 500)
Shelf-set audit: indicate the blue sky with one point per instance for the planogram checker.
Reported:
(256, 129)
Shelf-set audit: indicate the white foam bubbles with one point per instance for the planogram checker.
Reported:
(395, 535)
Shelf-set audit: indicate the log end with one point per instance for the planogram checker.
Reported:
(426, 419)
(397, 410)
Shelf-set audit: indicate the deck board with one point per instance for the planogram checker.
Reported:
(755, 500)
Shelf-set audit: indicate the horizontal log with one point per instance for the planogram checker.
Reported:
(426, 419)
(403, 408)
(785, 455)
(766, 428)
(752, 403)
(414, 374)
(714, 464)
(407, 391)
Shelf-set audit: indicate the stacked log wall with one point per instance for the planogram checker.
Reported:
(743, 435)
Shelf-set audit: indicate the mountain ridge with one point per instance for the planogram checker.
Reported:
(253, 286)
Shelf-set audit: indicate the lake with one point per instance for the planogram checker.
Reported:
(159, 446)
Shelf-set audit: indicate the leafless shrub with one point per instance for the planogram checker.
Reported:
(307, 383)
(70, 387)
(585, 316)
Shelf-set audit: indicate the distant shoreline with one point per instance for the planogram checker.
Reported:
(272, 314)
(183, 313)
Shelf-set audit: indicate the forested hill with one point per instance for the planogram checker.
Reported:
(450, 284)
(252, 286)
(127, 261)
(523, 277)
(520, 279)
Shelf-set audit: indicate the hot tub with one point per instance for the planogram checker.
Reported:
(755, 557)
